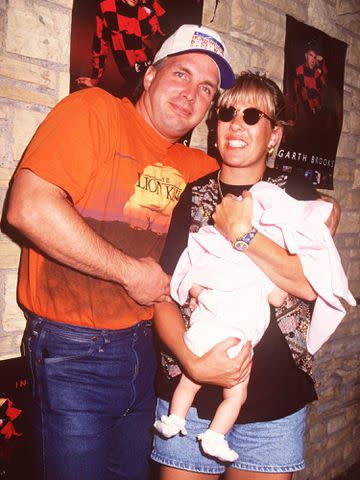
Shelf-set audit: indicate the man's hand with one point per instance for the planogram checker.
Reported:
(146, 283)
(87, 82)
(215, 367)
(233, 217)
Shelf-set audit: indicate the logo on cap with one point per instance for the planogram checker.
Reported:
(206, 42)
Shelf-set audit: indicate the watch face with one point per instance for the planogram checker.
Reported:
(240, 245)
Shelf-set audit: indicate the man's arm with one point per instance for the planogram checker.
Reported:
(43, 213)
(214, 367)
(233, 218)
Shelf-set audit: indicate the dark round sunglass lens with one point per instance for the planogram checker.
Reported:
(251, 115)
(226, 114)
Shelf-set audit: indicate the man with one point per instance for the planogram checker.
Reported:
(132, 30)
(93, 196)
(310, 79)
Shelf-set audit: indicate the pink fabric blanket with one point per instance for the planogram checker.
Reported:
(235, 300)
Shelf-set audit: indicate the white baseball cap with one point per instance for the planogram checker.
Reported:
(194, 38)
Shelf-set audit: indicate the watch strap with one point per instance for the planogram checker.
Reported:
(242, 243)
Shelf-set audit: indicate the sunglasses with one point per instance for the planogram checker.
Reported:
(251, 115)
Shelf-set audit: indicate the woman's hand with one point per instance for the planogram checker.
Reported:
(233, 217)
(215, 367)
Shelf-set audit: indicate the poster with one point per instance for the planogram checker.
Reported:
(14, 429)
(113, 41)
(313, 88)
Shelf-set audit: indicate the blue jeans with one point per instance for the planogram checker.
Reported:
(93, 400)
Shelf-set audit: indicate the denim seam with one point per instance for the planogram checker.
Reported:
(268, 469)
(186, 466)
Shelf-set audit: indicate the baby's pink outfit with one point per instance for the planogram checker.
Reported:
(234, 302)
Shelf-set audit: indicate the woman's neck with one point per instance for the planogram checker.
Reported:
(241, 176)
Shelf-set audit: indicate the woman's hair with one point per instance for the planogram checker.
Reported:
(259, 91)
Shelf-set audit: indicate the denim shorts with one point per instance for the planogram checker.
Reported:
(270, 447)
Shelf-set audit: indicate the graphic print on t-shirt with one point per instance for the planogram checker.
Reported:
(156, 191)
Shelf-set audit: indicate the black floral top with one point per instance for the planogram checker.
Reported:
(280, 381)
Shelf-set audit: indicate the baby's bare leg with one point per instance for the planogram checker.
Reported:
(213, 441)
(229, 409)
(184, 396)
(174, 423)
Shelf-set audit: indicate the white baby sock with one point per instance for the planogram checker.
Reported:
(170, 425)
(215, 445)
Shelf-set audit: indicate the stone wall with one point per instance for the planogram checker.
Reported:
(34, 63)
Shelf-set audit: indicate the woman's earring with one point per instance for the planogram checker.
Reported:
(271, 150)
(215, 145)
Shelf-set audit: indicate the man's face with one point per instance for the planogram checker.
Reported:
(310, 57)
(177, 96)
(132, 3)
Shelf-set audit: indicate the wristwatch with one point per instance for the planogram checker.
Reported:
(242, 243)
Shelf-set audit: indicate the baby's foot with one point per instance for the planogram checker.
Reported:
(171, 425)
(215, 445)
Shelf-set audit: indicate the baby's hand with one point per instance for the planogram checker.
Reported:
(195, 291)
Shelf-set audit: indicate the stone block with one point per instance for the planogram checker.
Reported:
(24, 94)
(352, 77)
(9, 254)
(25, 124)
(351, 200)
(274, 62)
(13, 318)
(344, 169)
(27, 72)
(352, 413)
(354, 51)
(350, 23)
(4, 112)
(346, 124)
(259, 21)
(240, 53)
(346, 149)
(354, 98)
(349, 222)
(63, 85)
(354, 267)
(337, 440)
(62, 3)
(295, 8)
(4, 149)
(8, 347)
(322, 15)
(355, 122)
(37, 30)
(317, 432)
(199, 136)
(356, 183)
(219, 22)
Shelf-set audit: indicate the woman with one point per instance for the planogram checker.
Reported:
(268, 435)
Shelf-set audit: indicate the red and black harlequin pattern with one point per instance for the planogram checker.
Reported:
(308, 84)
(124, 29)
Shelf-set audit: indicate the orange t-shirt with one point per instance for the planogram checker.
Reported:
(124, 180)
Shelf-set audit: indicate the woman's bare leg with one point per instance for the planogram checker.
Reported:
(234, 474)
(169, 473)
